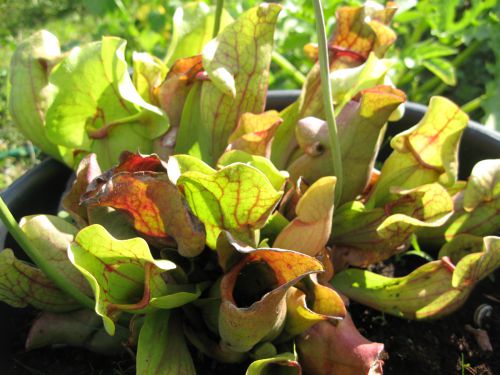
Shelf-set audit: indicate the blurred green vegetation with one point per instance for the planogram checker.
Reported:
(446, 48)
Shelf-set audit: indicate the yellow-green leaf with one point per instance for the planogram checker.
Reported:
(30, 92)
(255, 132)
(253, 292)
(96, 106)
(22, 284)
(238, 198)
(365, 236)
(310, 231)
(425, 153)
(237, 63)
(123, 274)
(162, 347)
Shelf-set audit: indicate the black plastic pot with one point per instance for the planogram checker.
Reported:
(40, 189)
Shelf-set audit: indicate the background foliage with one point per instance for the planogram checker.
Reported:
(446, 48)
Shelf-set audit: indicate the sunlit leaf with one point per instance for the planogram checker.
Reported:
(310, 303)
(475, 207)
(425, 153)
(193, 25)
(366, 236)
(97, 108)
(474, 267)
(483, 185)
(30, 92)
(460, 246)
(362, 121)
(238, 198)
(237, 63)
(123, 274)
(431, 291)
(275, 176)
(149, 72)
(254, 133)
(141, 187)
(310, 231)
(347, 83)
(359, 31)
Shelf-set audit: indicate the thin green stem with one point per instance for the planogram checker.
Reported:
(473, 104)
(218, 15)
(326, 89)
(48, 269)
(288, 67)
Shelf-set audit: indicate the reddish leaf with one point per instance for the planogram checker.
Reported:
(309, 232)
(365, 236)
(326, 349)
(172, 94)
(254, 133)
(359, 31)
(140, 187)
(253, 293)
(88, 169)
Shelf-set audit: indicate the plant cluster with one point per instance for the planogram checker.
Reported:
(235, 231)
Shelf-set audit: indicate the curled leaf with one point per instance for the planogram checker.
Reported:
(87, 171)
(483, 185)
(359, 31)
(255, 132)
(237, 63)
(172, 94)
(425, 153)
(340, 349)
(287, 363)
(431, 291)
(309, 232)
(474, 267)
(22, 284)
(30, 92)
(366, 236)
(149, 72)
(52, 236)
(362, 121)
(310, 303)
(237, 198)
(123, 274)
(141, 187)
(461, 245)
(253, 307)
(97, 108)
(475, 207)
